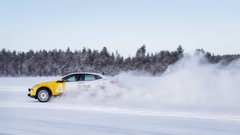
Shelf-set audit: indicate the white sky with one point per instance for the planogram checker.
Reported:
(123, 25)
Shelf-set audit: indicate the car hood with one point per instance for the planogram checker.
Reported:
(45, 83)
(48, 82)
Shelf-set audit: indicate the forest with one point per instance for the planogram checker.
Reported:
(60, 62)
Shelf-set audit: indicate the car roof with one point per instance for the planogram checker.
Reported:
(86, 73)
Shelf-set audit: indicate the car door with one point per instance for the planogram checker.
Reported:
(89, 81)
(72, 82)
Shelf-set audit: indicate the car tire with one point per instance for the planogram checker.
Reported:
(43, 95)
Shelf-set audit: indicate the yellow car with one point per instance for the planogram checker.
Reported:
(43, 91)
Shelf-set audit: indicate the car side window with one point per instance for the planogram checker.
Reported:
(97, 77)
(89, 77)
(71, 78)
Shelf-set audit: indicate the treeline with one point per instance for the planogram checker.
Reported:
(59, 62)
(220, 59)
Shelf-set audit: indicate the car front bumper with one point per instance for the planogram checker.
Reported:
(29, 94)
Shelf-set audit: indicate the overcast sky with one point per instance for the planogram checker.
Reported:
(122, 25)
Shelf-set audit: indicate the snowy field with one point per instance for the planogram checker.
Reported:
(192, 100)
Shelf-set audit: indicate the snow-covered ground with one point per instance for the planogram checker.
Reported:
(187, 100)
(21, 115)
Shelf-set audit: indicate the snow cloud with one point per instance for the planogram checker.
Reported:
(192, 82)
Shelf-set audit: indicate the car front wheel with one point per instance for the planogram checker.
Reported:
(43, 95)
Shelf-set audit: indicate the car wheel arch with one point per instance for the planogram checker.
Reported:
(48, 89)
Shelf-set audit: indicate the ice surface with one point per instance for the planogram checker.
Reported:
(191, 98)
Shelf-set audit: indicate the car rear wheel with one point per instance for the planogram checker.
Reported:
(43, 95)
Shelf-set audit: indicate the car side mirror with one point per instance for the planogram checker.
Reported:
(60, 81)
